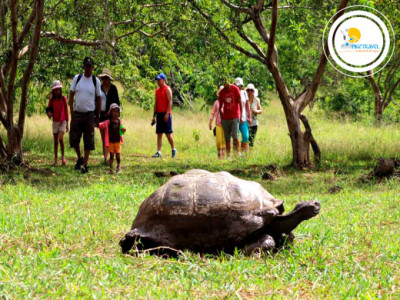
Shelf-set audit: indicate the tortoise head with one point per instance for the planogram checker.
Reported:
(308, 209)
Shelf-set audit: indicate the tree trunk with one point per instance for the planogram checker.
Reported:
(379, 111)
(14, 147)
(301, 140)
(379, 105)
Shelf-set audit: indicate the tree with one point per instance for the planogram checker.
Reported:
(30, 30)
(23, 25)
(241, 17)
(385, 83)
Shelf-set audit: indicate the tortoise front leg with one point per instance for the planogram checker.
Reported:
(265, 243)
(128, 241)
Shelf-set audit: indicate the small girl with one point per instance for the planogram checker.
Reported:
(113, 131)
(219, 132)
(58, 110)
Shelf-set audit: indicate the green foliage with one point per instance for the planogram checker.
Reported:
(350, 96)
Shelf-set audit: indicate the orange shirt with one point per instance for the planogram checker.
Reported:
(162, 99)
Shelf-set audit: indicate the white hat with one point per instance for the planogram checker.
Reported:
(238, 81)
(56, 85)
(251, 86)
(113, 106)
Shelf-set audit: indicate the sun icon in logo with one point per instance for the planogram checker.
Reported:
(354, 35)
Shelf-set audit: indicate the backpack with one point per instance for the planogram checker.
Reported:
(94, 83)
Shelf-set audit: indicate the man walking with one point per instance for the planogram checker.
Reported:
(231, 110)
(163, 114)
(85, 112)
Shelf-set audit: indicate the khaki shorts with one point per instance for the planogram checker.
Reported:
(114, 148)
(59, 127)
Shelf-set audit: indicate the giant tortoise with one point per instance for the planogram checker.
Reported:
(210, 212)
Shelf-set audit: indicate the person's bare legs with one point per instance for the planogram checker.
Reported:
(61, 141)
(87, 153)
(236, 146)
(228, 148)
(245, 148)
(78, 151)
(170, 140)
(159, 142)
(111, 161)
(105, 149)
(118, 155)
(55, 139)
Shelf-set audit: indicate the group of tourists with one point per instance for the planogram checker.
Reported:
(235, 111)
(96, 104)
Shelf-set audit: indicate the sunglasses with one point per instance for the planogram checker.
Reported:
(250, 91)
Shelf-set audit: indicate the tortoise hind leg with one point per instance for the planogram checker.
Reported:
(265, 243)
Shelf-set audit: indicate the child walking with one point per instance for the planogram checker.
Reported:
(58, 110)
(113, 131)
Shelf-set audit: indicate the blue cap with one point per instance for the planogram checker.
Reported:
(161, 76)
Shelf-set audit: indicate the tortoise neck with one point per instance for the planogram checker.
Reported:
(287, 223)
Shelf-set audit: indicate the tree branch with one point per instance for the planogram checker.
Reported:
(53, 9)
(238, 8)
(224, 36)
(14, 62)
(32, 58)
(311, 91)
(57, 37)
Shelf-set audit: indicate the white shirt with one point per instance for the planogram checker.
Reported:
(103, 100)
(85, 93)
(244, 98)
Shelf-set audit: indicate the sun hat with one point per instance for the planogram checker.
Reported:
(161, 76)
(113, 106)
(106, 73)
(238, 81)
(56, 85)
(251, 86)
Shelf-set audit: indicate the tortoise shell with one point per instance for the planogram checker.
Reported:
(200, 210)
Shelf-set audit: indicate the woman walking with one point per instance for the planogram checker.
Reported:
(256, 109)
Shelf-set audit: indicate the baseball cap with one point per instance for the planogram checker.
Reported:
(88, 61)
(161, 76)
(238, 81)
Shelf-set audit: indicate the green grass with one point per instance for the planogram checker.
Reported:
(59, 230)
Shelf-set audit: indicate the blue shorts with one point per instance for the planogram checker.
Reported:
(162, 126)
(244, 130)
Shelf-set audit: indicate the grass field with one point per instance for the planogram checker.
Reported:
(59, 230)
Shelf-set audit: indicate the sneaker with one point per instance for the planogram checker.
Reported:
(79, 163)
(174, 153)
(118, 169)
(157, 155)
(84, 169)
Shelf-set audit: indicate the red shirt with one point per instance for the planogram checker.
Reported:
(162, 99)
(60, 109)
(230, 99)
